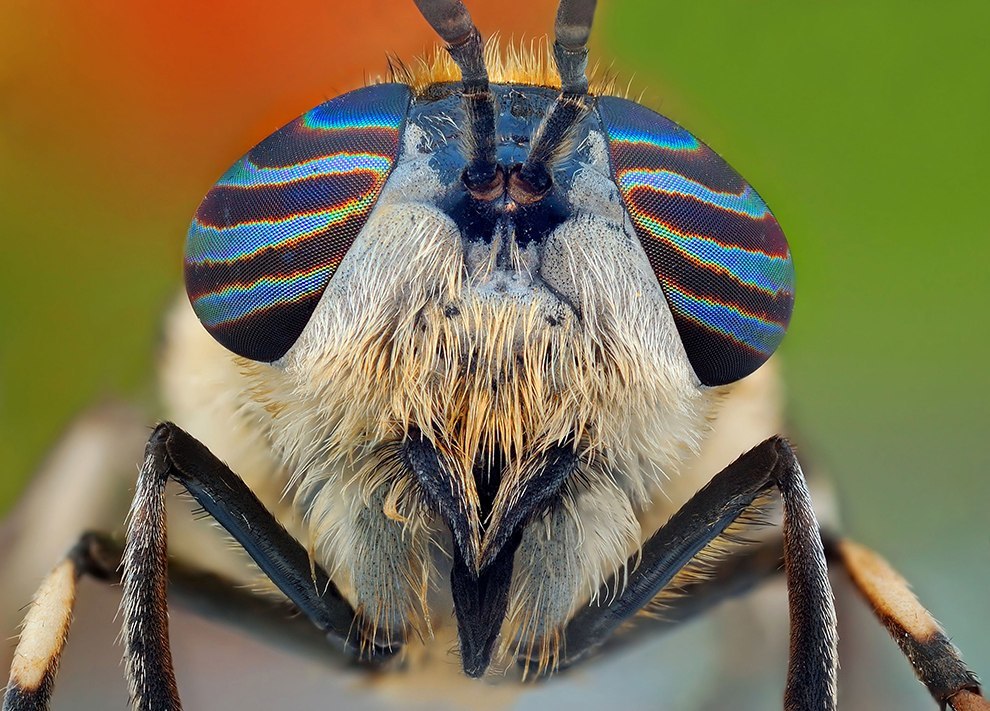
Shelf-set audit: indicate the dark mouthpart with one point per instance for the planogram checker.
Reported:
(480, 580)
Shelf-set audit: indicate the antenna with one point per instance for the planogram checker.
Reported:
(451, 20)
(570, 47)
(530, 182)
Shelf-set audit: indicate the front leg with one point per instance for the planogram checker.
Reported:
(173, 454)
(811, 674)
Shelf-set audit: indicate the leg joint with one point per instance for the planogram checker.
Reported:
(97, 555)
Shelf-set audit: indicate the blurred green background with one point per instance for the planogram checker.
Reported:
(863, 125)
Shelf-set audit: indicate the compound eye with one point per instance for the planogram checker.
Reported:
(269, 236)
(716, 249)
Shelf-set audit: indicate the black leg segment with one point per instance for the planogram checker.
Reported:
(173, 454)
(99, 556)
(936, 661)
(147, 652)
(812, 668)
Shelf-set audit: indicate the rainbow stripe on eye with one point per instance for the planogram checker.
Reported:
(664, 181)
(245, 174)
(270, 234)
(718, 252)
(674, 140)
(237, 301)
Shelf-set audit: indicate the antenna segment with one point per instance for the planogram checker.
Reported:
(451, 20)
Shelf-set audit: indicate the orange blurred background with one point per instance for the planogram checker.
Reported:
(115, 119)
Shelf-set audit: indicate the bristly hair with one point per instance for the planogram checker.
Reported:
(512, 63)
(742, 532)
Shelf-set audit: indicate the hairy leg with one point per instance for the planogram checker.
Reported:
(172, 454)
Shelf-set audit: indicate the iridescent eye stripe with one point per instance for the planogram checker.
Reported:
(754, 331)
(217, 244)
(752, 268)
(663, 181)
(319, 119)
(717, 250)
(670, 140)
(270, 234)
(247, 175)
(238, 301)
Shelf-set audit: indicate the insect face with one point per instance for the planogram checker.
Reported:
(504, 284)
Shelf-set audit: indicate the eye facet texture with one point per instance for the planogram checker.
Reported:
(270, 234)
(717, 250)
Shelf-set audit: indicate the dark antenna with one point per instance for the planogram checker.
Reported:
(532, 180)
(451, 20)
(570, 47)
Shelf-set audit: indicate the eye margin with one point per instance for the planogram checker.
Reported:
(269, 235)
(717, 251)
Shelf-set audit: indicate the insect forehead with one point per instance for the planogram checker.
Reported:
(520, 112)
(521, 109)
(718, 253)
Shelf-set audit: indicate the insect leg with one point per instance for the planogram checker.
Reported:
(99, 556)
(46, 625)
(733, 576)
(811, 672)
(173, 454)
(935, 659)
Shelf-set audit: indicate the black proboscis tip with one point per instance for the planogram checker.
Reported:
(480, 603)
